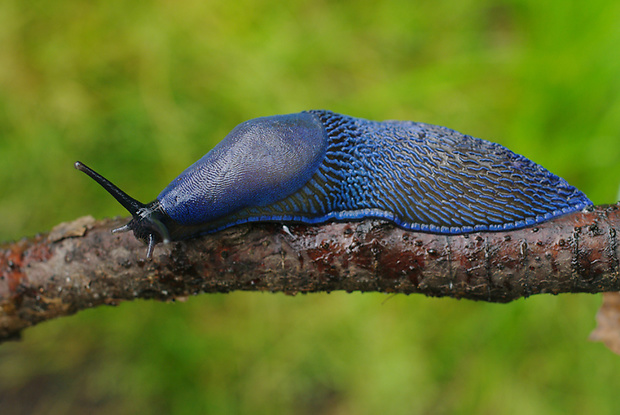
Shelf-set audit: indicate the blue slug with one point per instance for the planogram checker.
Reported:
(317, 166)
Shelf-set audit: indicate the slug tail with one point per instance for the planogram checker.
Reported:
(128, 202)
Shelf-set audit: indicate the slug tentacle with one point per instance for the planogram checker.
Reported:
(128, 202)
(124, 228)
(148, 222)
(151, 247)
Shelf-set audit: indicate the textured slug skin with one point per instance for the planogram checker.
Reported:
(317, 166)
(259, 162)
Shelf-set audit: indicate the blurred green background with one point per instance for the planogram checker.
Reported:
(140, 90)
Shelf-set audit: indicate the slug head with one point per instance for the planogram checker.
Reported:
(149, 222)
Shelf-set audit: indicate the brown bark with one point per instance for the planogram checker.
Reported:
(81, 264)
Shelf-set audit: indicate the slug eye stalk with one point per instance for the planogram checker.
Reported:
(128, 202)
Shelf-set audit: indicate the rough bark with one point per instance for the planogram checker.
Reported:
(81, 264)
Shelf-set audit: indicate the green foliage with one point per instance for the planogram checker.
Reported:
(140, 90)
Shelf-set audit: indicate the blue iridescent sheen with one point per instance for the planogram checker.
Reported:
(258, 163)
(317, 166)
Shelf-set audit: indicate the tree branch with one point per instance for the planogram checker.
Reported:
(81, 264)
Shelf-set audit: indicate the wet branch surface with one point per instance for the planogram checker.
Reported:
(81, 264)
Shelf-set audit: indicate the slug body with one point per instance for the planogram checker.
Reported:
(318, 166)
